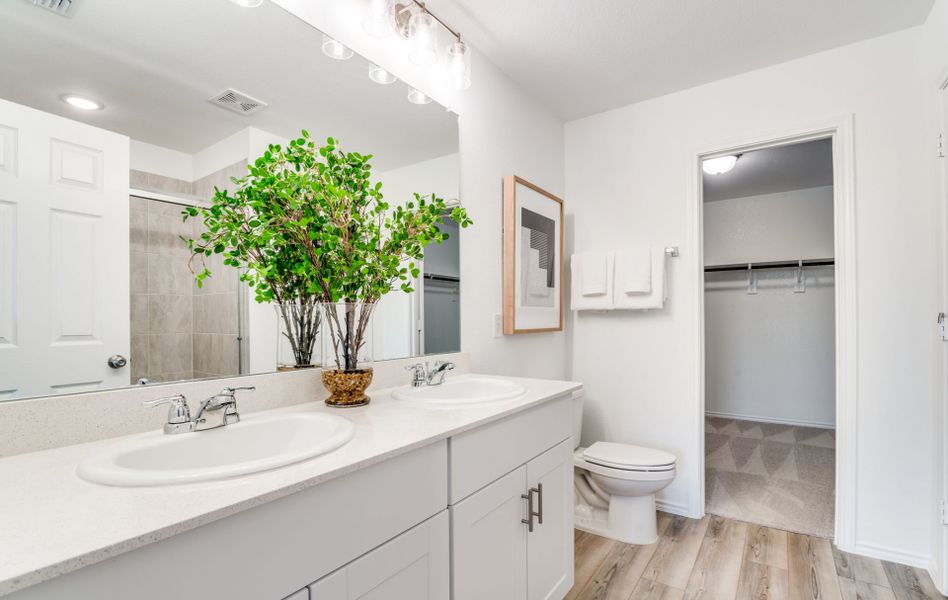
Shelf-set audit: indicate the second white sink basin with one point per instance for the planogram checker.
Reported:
(463, 390)
(257, 443)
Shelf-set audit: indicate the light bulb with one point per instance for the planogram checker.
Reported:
(459, 66)
(379, 18)
(421, 40)
(81, 102)
(380, 75)
(248, 3)
(417, 97)
(335, 49)
(719, 165)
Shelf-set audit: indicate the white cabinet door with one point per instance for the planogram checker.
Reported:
(64, 254)
(490, 541)
(550, 544)
(413, 566)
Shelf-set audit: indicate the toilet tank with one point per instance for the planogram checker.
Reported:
(577, 417)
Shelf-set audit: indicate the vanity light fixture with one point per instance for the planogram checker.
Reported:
(335, 49)
(248, 3)
(416, 96)
(380, 75)
(414, 22)
(81, 102)
(719, 165)
(459, 66)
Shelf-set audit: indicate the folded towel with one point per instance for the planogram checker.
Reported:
(592, 274)
(659, 293)
(634, 271)
(579, 301)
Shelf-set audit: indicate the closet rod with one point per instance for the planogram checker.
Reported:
(442, 278)
(784, 264)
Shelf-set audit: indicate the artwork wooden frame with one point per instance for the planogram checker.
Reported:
(532, 304)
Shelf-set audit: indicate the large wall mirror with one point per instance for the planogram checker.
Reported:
(110, 129)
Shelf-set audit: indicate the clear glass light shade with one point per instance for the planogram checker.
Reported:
(335, 49)
(380, 75)
(417, 97)
(421, 40)
(379, 18)
(719, 165)
(459, 66)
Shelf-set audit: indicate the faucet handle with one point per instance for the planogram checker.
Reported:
(179, 412)
(416, 368)
(230, 391)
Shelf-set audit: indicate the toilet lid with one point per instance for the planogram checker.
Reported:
(624, 456)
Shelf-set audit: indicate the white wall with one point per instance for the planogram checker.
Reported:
(772, 227)
(770, 356)
(628, 177)
(935, 63)
(502, 132)
(161, 161)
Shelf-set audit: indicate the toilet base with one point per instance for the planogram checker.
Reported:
(630, 519)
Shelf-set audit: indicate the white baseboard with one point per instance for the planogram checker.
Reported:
(912, 559)
(797, 422)
(673, 508)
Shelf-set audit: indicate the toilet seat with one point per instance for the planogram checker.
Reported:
(627, 457)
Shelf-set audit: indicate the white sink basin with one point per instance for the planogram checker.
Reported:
(464, 390)
(255, 444)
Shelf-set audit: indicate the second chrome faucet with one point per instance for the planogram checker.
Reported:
(422, 375)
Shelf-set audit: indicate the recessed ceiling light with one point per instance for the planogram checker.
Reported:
(81, 102)
(719, 165)
(335, 49)
(417, 97)
(380, 75)
(248, 3)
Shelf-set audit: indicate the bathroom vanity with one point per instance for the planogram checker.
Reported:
(426, 501)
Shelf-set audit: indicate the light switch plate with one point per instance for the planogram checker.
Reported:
(497, 326)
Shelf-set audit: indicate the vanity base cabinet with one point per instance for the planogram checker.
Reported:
(496, 555)
(413, 566)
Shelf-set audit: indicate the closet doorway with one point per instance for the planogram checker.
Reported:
(769, 273)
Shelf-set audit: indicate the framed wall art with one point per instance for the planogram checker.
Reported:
(533, 258)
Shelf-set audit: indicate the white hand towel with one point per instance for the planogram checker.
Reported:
(580, 302)
(593, 277)
(634, 271)
(659, 293)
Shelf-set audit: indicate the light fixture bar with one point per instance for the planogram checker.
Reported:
(424, 9)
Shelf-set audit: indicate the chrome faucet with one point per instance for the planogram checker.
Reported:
(422, 375)
(179, 413)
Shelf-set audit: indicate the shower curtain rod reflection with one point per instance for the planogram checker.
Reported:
(785, 264)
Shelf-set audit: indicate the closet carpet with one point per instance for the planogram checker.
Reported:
(781, 476)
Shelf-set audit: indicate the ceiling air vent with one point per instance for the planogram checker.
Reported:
(238, 102)
(60, 7)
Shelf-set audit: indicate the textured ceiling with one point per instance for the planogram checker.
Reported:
(155, 64)
(773, 170)
(584, 57)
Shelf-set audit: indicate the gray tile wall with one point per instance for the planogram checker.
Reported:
(178, 330)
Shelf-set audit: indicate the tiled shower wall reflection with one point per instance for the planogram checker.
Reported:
(179, 331)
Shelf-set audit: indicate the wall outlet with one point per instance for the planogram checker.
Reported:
(497, 326)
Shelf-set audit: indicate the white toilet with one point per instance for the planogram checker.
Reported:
(615, 486)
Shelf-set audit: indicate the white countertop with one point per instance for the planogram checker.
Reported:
(52, 522)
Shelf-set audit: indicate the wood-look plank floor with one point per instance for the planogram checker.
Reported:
(721, 559)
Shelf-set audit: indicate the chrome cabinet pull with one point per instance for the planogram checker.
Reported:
(530, 514)
(539, 489)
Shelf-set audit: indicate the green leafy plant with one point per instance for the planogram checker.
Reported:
(308, 225)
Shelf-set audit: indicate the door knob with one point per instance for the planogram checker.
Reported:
(117, 361)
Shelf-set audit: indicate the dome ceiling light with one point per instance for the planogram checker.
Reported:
(719, 165)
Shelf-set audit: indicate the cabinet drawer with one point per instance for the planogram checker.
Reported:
(482, 455)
